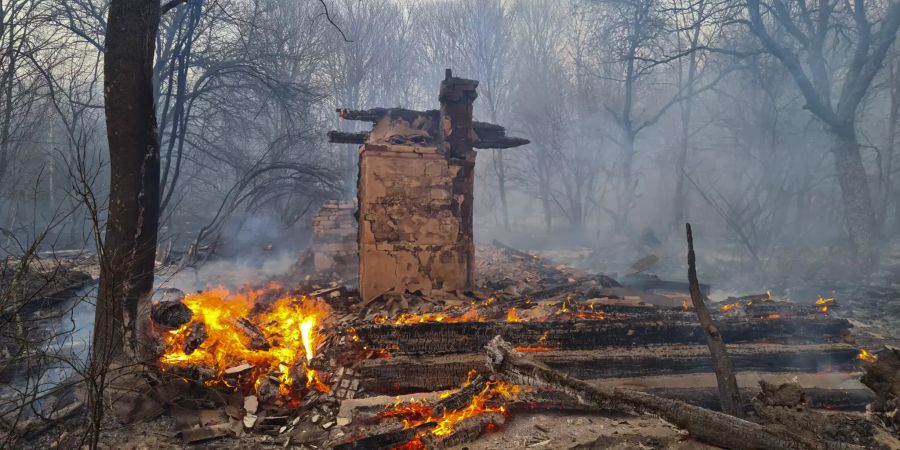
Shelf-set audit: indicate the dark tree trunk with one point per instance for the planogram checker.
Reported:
(501, 185)
(861, 221)
(129, 248)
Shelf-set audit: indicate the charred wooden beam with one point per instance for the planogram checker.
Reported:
(882, 375)
(343, 137)
(436, 338)
(489, 135)
(407, 374)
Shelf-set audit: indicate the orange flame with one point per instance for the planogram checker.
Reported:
(823, 303)
(729, 307)
(774, 316)
(414, 413)
(864, 355)
(512, 316)
(290, 326)
(537, 348)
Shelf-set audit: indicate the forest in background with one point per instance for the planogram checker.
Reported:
(773, 124)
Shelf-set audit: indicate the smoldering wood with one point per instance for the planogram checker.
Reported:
(883, 377)
(725, 378)
(787, 405)
(407, 374)
(387, 439)
(257, 340)
(708, 426)
(196, 337)
(460, 398)
(466, 430)
(170, 314)
(437, 338)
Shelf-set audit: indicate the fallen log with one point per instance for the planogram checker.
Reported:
(195, 338)
(729, 394)
(256, 339)
(708, 426)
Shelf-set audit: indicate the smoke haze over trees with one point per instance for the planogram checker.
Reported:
(771, 123)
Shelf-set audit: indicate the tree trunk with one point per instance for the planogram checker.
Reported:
(126, 273)
(629, 183)
(501, 185)
(854, 184)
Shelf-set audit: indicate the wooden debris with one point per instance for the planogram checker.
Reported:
(786, 405)
(464, 431)
(195, 338)
(460, 398)
(708, 426)
(384, 440)
(239, 369)
(257, 340)
(170, 314)
(202, 434)
(728, 388)
(883, 377)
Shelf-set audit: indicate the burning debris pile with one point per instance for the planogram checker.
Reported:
(282, 364)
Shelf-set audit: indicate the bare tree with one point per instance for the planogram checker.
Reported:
(809, 40)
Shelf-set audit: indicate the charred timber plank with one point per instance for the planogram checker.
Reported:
(436, 338)
(407, 374)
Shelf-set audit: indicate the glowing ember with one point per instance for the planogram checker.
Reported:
(864, 355)
(289, 327)
(729, 307)
(535, 349)
(774, 316)
(685, 306)
(512, 316)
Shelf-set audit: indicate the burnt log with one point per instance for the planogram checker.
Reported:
(461, 398)
(787, 405)
(883, 377)
(384, 440)
(436, 338)
(256, 340)
(466, 430)
(195, 338)
(708, 426)
(170, 314)
(407, 374)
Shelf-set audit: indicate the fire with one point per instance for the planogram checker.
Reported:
(823, 303)
(864, 355)
(415, 413)
(685, 306)
(512, 316)
(774, 316)
(729, 307)
(289, 328)
(536, 348)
